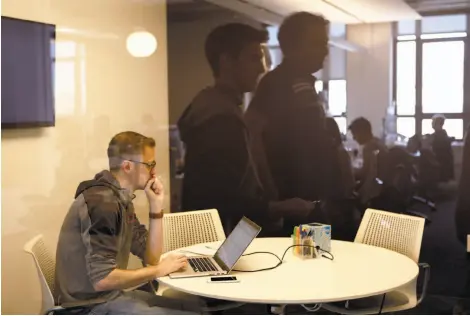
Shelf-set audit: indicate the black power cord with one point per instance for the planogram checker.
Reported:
(281, 260)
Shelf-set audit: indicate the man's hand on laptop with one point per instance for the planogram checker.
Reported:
(292, 208)
(172, 263)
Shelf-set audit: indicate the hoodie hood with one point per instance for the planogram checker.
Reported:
(105, 179)
(209, 103)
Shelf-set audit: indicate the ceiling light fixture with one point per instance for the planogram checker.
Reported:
(141, 44)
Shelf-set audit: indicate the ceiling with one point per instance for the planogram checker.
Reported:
(435, 6)
(193, 10)
(273, 11)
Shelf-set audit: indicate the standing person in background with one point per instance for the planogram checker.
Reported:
(291, 119)
(219, 171)
(442, 147)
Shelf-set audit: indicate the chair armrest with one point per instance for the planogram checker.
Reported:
(427, 274)
(425, 201)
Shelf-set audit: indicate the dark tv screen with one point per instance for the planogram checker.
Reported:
(27, 73)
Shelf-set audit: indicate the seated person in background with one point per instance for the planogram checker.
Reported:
(427, 165)
(220, 171)
(101, 229)
(361, 131)
(442, 147)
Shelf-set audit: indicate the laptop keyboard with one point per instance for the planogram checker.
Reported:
(202, 264)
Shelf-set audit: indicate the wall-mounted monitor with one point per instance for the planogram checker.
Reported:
(27, 73)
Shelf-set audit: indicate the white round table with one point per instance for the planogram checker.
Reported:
(357, 271)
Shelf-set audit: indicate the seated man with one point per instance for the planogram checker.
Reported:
(101, 229)
(361, 131)
(220, 171)
(442, 147)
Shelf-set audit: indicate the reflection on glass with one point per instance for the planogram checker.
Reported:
(83, 82)
(337, 30)
(406, 37)
(337, 63)
(276, 56)
(318, 86)
(443, 35)
(64, 87)
(272, 31)
(69, 78)
(406, 77)
(337, 97)
(342, 124)
(443, 64)
(454, 127)
(65, 49)
(406, 27)
(318, 74)
(444, 23)
(406, 126)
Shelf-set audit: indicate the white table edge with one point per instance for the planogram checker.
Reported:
(284, 302)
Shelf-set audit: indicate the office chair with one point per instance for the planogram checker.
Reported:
(190, 228)
(45, 266)
(398, 194)
(399, 233)
(389, 185)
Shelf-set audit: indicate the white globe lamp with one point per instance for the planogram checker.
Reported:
(141, 44)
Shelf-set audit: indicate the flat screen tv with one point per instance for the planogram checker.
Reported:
(27, 73)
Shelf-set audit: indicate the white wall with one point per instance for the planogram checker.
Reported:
(113, 92)
(369, 73)
(188, 70)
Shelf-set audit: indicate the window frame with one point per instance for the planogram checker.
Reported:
(419, 116)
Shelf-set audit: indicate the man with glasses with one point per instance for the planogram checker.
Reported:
(101, 229)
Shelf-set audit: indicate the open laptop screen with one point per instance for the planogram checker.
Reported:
(236, 243)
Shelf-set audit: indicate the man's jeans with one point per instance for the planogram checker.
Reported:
(144, 303)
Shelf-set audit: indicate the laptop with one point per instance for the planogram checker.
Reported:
(227, 254)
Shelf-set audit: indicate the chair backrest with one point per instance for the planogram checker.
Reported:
(397, 232)
(190, 228)
(45, 266)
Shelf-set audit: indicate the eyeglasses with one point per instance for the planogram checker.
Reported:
(149, 165)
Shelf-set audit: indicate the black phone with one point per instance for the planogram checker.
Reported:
(223, 279)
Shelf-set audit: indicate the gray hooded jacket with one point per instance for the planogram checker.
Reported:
(99, 232)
